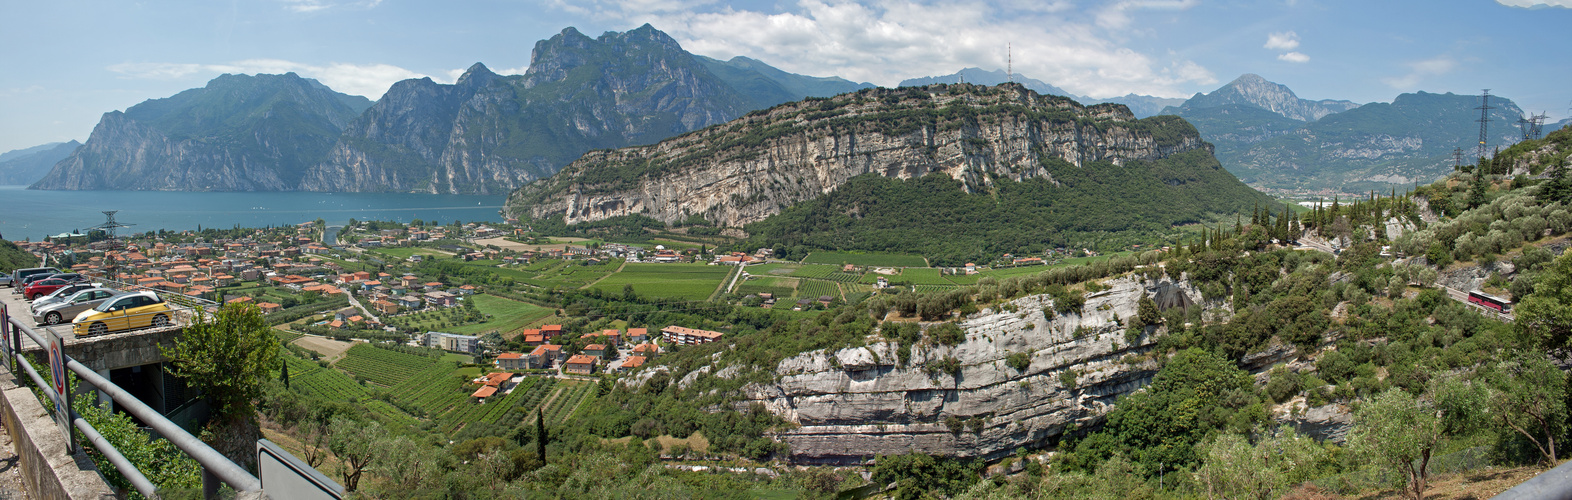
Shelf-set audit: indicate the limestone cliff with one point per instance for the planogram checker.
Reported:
(753, 167)
(490, 133)
(856, 403)
(238, 133)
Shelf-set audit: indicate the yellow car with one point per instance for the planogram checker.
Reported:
(132, 310)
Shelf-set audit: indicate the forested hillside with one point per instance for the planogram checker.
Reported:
(13, 257)
(1095, 206)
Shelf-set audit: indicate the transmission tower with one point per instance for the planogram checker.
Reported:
(1009, 61)
(112, 243)
(1457, 159)
(1484, 121)
(1536, 125)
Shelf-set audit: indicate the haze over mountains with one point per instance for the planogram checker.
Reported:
(484, 134)
(490, 134)
(1272, 139)
(26, 166)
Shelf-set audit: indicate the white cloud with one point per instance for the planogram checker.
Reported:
(1536, 4)
(885, 41)
(1419, 70)
(1294, 57)
(1287, 40)
(370, 80)
(307, 6)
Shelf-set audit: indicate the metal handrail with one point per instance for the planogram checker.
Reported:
(131, 473)
(215, 465)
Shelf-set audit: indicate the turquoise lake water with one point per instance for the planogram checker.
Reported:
(31, 214)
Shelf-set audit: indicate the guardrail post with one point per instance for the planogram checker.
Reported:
(5, 336)
(210, 484)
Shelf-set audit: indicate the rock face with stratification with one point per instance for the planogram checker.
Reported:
(856, 403)
(755, 166)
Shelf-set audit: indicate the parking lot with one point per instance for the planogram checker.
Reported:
(20, 310)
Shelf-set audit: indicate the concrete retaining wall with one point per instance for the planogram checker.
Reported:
(47, 471)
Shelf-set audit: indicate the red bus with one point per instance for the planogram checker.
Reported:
(1491, 302)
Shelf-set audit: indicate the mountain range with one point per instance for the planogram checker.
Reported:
(484, 134)
(238, 133)
(1141, 105)
(1274, 140)
(26, 166)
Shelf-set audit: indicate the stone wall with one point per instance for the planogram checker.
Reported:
(47, 471)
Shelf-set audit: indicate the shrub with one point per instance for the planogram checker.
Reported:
(1019, 361)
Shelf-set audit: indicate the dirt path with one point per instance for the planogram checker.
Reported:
(608, 275)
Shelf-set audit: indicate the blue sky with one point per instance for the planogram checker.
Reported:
(69, 61)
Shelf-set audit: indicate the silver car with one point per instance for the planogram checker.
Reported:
(63, 293)
(56, 313)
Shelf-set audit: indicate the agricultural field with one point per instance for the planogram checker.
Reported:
(772, 269)
(866, 259)
(781, 287)
(819, 271)
(383, 366)
(920, 276)
(400, 253)
(506, 315)
(813, 289)
(678, 281)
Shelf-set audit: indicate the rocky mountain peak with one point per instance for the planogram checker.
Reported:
(1253, 90)
(476, 76)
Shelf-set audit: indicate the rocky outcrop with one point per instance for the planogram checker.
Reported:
(239, 133)
(489, 134)
(751, 168)
(855, 403)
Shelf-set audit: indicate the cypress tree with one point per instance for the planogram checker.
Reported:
(283, 375)
(540, 435)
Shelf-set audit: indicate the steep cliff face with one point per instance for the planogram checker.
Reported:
(239, 133)
(856, 403)
(489, 133)
(751, 168)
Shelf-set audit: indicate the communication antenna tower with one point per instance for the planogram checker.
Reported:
(1009, 61)
(1484, 121)
(113, 243)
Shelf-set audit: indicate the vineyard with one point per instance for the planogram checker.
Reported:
(813, 289)
(383, 366)
(312, 378)
(572, 395)
(865, 259)
(843, 277)
(815, 271)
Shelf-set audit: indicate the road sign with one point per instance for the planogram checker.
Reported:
(58, 380)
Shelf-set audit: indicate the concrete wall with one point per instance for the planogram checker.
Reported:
(119, 350)
(47, 471)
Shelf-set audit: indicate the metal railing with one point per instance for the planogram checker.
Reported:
(1552, 484)
(216, 468)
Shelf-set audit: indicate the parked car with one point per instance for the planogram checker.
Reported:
(44, 287)
(63, 293)
(123, 312)
(5, 279)
(19, 277)
(68, 308)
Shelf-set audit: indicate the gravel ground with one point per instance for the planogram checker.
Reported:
(10, 471)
